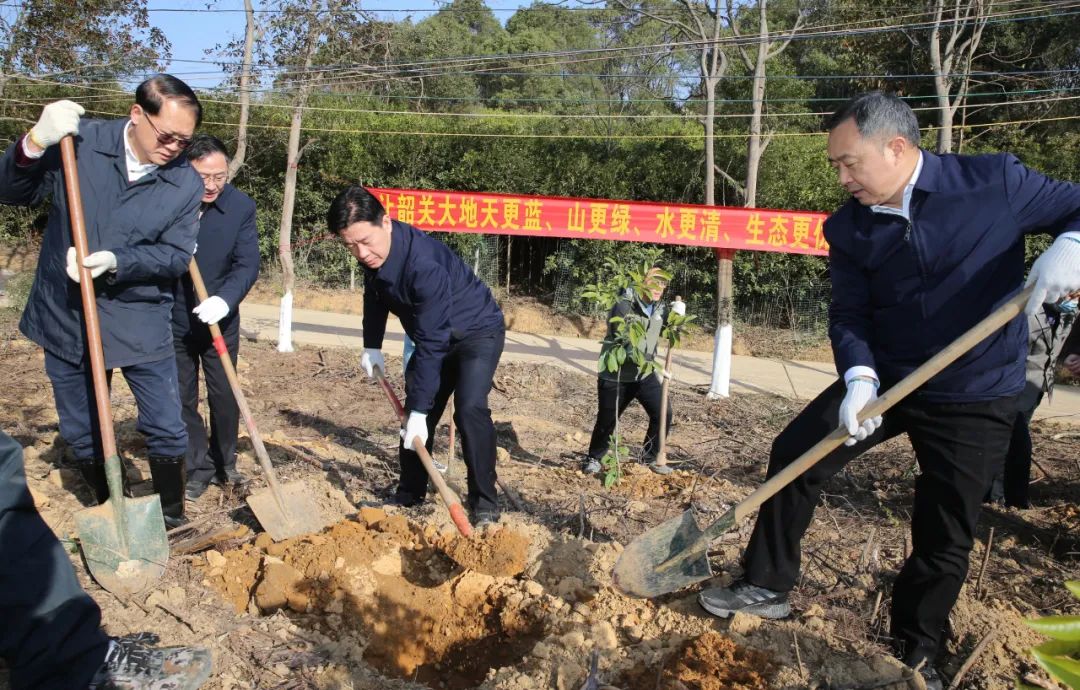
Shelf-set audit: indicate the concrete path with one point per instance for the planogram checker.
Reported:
(789, 378)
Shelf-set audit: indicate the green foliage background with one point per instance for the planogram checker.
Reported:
(620, 125)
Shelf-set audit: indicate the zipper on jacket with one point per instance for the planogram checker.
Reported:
(909, 237)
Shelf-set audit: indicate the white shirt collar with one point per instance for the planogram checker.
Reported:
(135, 169)
(905, 211)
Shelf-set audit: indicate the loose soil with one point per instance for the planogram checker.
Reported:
(393, 598)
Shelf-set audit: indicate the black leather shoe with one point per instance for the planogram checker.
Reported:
(195, 490)
(404, 500)
(230, 477)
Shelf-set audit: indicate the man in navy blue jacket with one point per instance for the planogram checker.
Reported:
(927, 247)
(458, 330)
(228, 259)
(141, 201)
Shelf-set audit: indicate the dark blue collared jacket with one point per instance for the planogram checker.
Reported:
(150, 225)
(902, 291)
(228, 258)
(438, 299)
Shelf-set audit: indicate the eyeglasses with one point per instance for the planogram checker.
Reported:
(164, 139)
(220, 178)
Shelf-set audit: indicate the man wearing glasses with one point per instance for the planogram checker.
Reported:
(141, 202)
(228, 259)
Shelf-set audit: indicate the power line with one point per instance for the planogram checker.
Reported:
(820, 31)
(689, 76)
(113, 92)
(826, 31)
(615, 116)
(533, 135)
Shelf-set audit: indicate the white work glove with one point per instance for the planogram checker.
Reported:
(98, 263)
(1055, 273)
(211, 310)
(58, 119)
(678, 307)
(415, 427)
(370, 359)
(860, 393)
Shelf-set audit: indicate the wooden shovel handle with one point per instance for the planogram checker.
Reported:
(661, 452)
(933, 366)
(238, 393)
(976, 334)
(89, 301)
(453, 503)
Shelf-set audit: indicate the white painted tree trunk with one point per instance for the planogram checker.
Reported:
(285, 324)
(721, 368)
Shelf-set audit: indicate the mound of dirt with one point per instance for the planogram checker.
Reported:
(709, 661)
(500, 552)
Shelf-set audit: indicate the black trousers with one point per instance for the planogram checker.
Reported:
(613, 397)
(1010, 486)
(154, 386)
(207, 456)
(467, 372)
(51, 635)
(957, 445)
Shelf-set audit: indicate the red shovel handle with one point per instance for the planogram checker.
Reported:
(453, 503)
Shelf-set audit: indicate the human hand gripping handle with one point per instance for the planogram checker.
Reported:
(415, 429)
(98, 263)
(453, 503)
(1055, 273)
(211, 310)
(372, 358)
(861, 391)
(57, 120)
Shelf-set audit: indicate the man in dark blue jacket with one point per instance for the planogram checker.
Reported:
(228, 259)
(458, 330)
(141, 201)
(927, 247)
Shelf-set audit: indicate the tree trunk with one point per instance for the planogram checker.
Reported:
(942, 82)
(710, 151)
(288, 202)
(956, 55)
(245, 92)
(754, 148)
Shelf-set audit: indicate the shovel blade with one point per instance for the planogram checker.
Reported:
(128, 555)
(301, 514)
(636, 571)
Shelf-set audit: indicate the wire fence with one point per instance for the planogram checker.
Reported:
(801, 309)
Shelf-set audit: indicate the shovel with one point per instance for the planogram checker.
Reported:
(123, 539)
(453, 503)
(672, 555)
(283, 511)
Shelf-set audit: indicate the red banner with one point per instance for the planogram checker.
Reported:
(721, 227)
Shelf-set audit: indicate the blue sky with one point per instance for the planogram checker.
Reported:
(193, 32)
